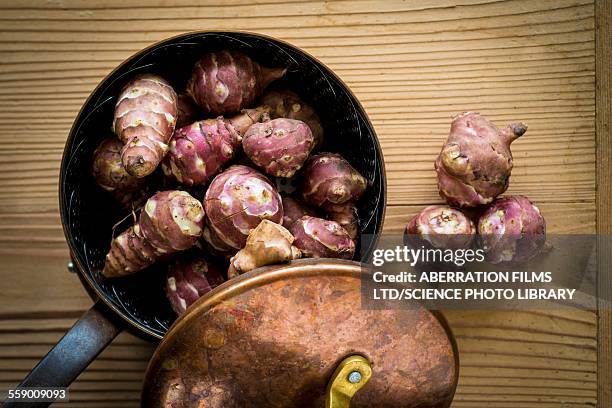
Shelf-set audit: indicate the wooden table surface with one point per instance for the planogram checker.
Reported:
(412, 64)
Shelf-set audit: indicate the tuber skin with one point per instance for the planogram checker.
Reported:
(346, 215)
(171, 221)
(108, 171)
(200, 150)
(279, 147)
(475, 163)
(319, 238)
(236, 201)
(189, 278)
(512, 230)
(294, 209)
(267, 244)
(227, 81)
(287, 104)
(441, 226)
(328, 179)
(144, 120)
(187, 111)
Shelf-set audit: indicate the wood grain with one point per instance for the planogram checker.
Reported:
(412, 65)
(603, 46)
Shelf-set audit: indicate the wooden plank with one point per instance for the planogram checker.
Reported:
(603, 52)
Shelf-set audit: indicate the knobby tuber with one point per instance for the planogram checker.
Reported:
(287, 104)
(200, 150)
(440, 226)
(319, 238)
(346, 215)
(267, 244)
(108, 171)
(189, 278)
(328, 179)
(236, 201)
(512, 230)
(170, 221)
(187, 111)
(279, 146)
(225, 82)
(145, 118)
(475, 163)
(294, 209)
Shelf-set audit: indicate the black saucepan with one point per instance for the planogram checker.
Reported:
(88, 215)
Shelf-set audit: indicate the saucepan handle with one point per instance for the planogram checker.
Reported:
(349, 377)
(73, 353)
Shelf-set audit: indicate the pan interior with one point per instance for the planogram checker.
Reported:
(89, 214)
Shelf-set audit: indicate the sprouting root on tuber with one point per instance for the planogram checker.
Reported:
(319, 238)
(475, 163)
(279, 147)
(110, 174)
(236, 201)
(287, 104)
(200, 150)
(144, 120)
(267, 244)
(227, 81)
(512, 229)
(170, 221)
(328, 179)
(189, 278)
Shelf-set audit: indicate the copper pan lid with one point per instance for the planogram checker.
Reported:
(274, 337)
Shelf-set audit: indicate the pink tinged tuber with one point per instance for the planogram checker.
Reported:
(440, 226)
(170, 221)
(267, 244)
(225, 82)
(346, 215)
(512, 229)
(200, 150)
(187, 111)
(319, 238)
(236, 201)
(294, 209)
(475, 163)
(145, 118)
(189, 278)
(287, 104)
(279, 146)
(108, 171)
(328, 179)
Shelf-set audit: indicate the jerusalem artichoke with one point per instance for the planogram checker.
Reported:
(287, 104)
(170, 221)
(189, 278)
(145, 117)
(329, 180)
(440, 226)
(293, 210)
(512, 229)
(345, 215)
(200, 150)
(267, 244)
(108, 171)
(225, 82)
(475, 163)
(236, 201)
(319, 238)
(187, 111)
(279, 146)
